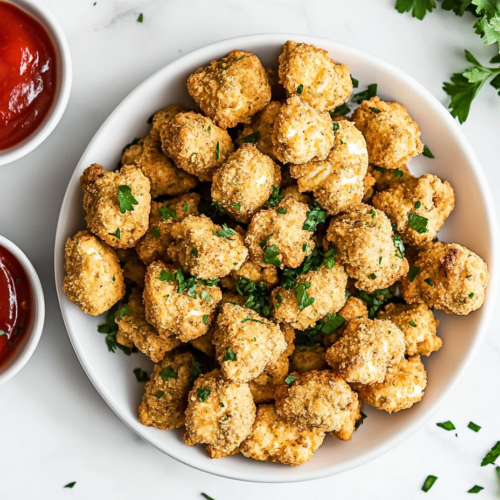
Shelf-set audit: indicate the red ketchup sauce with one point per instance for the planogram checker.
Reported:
(27, 75)
(15, 304)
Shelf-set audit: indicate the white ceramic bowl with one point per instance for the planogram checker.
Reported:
(27, 347)
(63, 84)
(472, 224)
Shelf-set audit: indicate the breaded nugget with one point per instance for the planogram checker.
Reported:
(133, 269)
(205, 342)
(301, 133)
(132, 152)
(310, 72)
(268, 276)
(133, 328)
(196, 144)
(307, 358)
(449, 277)
(337, 183)
(187, 314)
(163, 116)
(418, 207)
(295, 306)
(365, 351)
(153, 245)
(403, 386)
(316, 399)
(418, 325)
(275, 236)
(117, 204)
(94, 278)
(166, 396)
(368, 187)
(273, 439)
(232, 89)
(220, 413)
(348, 427)
(292, 191)
(204, 249)
(260, 130)
(245, 182)
(245, 343)
(385, 178)
(392, 137)
(366, 247)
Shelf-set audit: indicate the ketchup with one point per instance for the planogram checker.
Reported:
(27, 75)
(15, 304)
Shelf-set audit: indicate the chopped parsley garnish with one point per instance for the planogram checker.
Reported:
(155, 231)
(412, 274)
(236, 205)
(217, 151)
(225, 232)
(447, 426)
(427, 152)
(166, 276)
(279, 300)
(474, 427)
(275, 197)
(471, 295)
(251, 138)
(124, 311)
(335, 126)
(110, 329)
(325, 326)
(205, 296)
(412, 323)
(70, 485)
(281, 210)
(360, 421)
(263, 244)
(271, 256)
(159, 394)
(222, 405)
(205, 319)
(373, 213)
(380, 260)
(330, 258)
(397, 172)
(355, 82)
(194, 252)
(167, 212)
(373, 276)
(306, 247)
(130, 144)
(375, 300)
(429, 482)
(364, 95)
(117, 234)
(256, 293)
(204, 495)
(300, 89)
(141, 375)
(418, 223)
(244, 320)
(429, 282)
(126, 199)
(290, 379)
(314, 217)
(203, 394)
(382, 170)
(475, 489)
(168, 373)
(229, 356)
(194, 371)
(185, 207)
(302, 295)
(418, 204)
(492, 455)
(375, 110)
(398, 243)
(343, 109)
(140, 19)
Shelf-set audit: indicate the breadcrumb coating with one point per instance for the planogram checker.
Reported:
(403, 386)
(196, 144)
(307, 358)
(154, 244)
(220, 413)
(164, 116)
(260, 130)
(133, 268)
(450, 277)
(337, 183)
(310, 72)
(165, 398)
(301, 133)
(94, 278)
(365, 246)
(245, 343)
(232, 89)
(245, 182)
(353, 414)
(252, 271)
(273, 439)
(205, 342)
(292, 191)
(386, 178)
(101, 194)
(279, 229)
(418, 325)
(366, 350)
(328, 288)
(392, 137)
(203, 249)
(133, 328)
(173, 313)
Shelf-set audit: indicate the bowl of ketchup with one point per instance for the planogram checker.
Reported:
(35, 77)
(22, 309)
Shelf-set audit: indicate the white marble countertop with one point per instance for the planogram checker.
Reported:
(54, 427)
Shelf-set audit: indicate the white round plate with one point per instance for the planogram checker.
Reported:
(473, 224)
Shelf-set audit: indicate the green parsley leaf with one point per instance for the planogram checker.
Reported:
(428, 483)
(194, 371)
(373, 276)
(168, 373)
(418, 204)
(375, 110)
(126, 199)
(300, 89)
(194, 252)
(159, 394)
(110, 329)
(306, 247)
(412, 274)
(382, 170)
(229, 356)
(459, 6)
(447, 426)
(256, 293)
(330, 258)
(427, 152)
(251, 138)
(397, 173)
(167, 212)
(185, 207)
(141, 375)
(166, 276)
(412, 323)
(290, 379)
(474, 427)
(217, 151)
(475, 489)
(314, 217)
(236, 205)
(222, 405)
(117, 234)
(225, 232)
(279, 300)
(205, 296)
(302, 295)
(130, 144)
(275, 197)
(204, 495)
(140, 19)
(281, 210)
(355, 82)
(360, 421)
(373, 213)
(380, 260)
(492, 455)
(124, 311)
(429, 282)
(398, 243)
(418, 223)
(70, 485)
(155, 231)
(244, 320)
(335, 127)
(271, 256)
(203, 394)
(418, 8)
(343, 109)
(205, 319)
(375, 300)
(471, 295)
(370, 92)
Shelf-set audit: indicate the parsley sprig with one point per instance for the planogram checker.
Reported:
(314, 217)
(256, 293)
(324, 327)
(126, 199)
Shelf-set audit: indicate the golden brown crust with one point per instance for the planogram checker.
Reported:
(348, 427)
(268, 276)
(307, 358)
(133, 269)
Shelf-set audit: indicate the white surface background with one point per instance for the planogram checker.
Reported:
(54, 427)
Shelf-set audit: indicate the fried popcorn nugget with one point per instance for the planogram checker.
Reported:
(301, 133)
(231, 90)
(164, 116)
(273, 439)
(133, 268)
(220, 413)
(392, 137)
(366, 248)
(117, 204)
(246, 343)
(337, 183)
(449, 277)
(94, 278)
(308, 358)
(310, 72)
(268, 276)
(166, 395)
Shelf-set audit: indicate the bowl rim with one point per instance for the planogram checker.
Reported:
(24, 352)
(488, 309)
(64, 78)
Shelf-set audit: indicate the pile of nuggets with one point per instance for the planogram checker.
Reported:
(284, 260)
